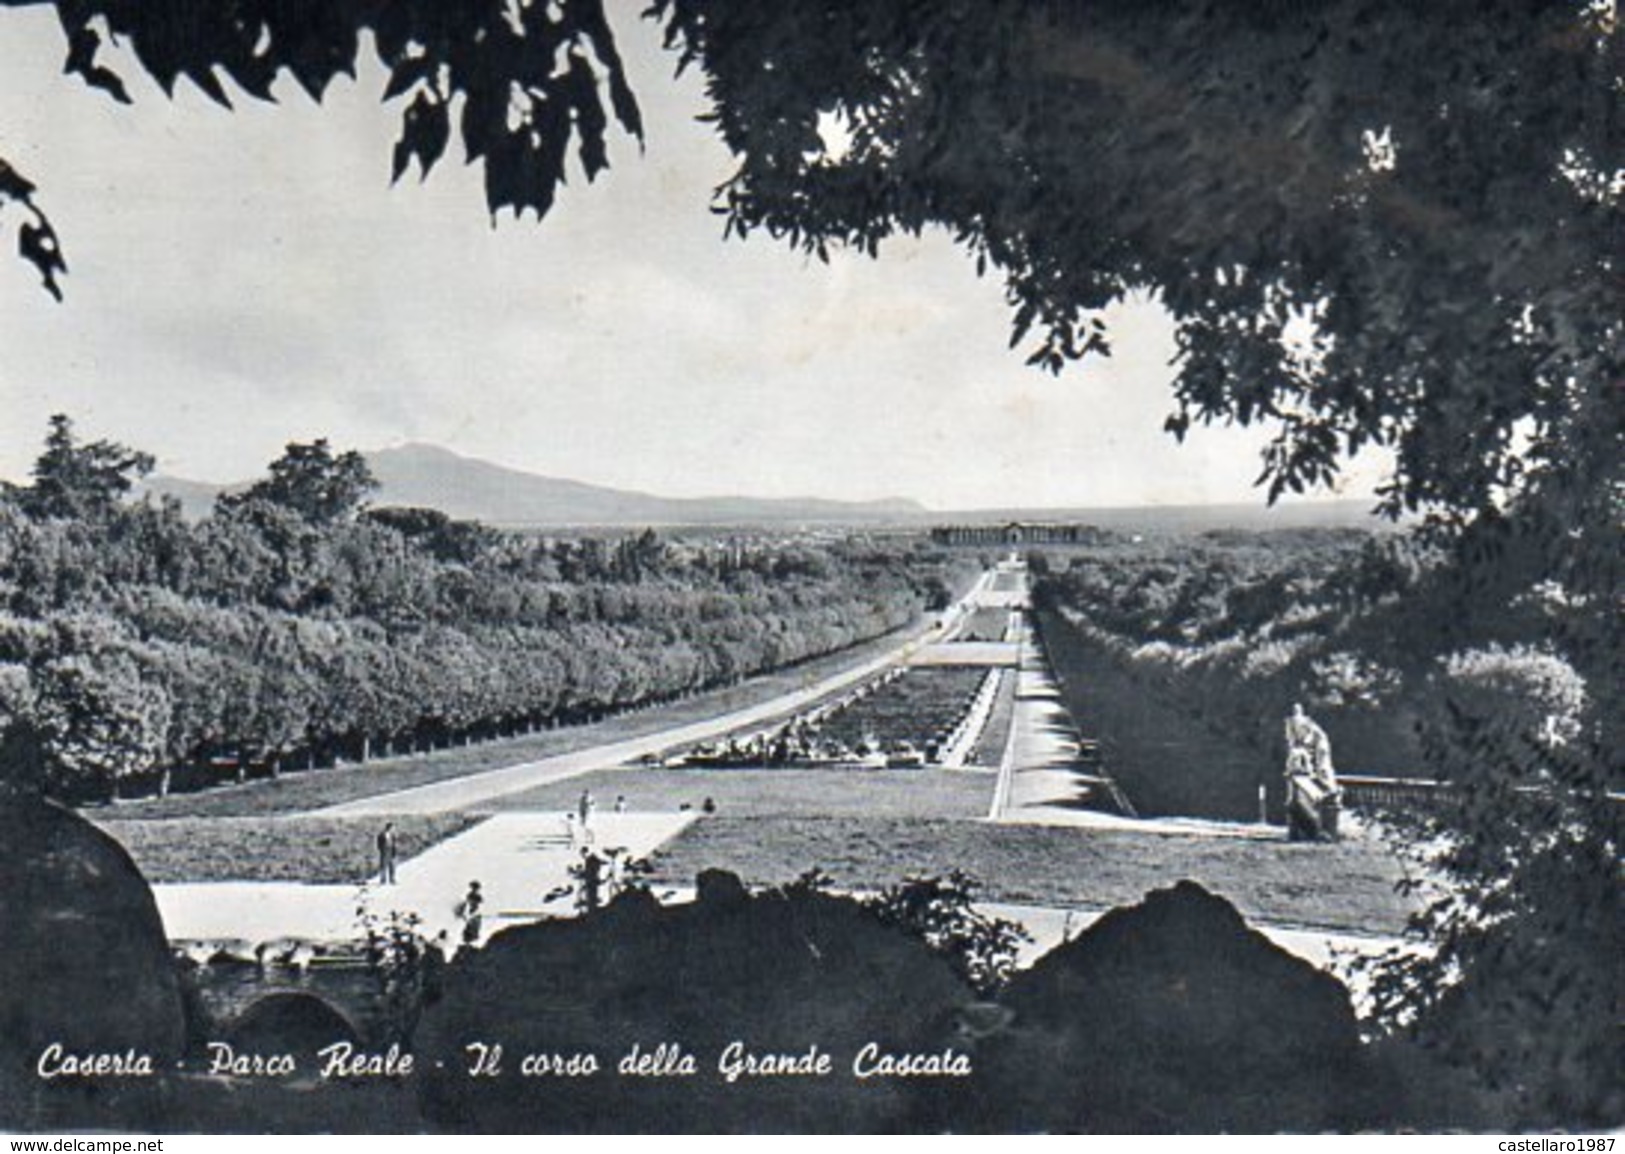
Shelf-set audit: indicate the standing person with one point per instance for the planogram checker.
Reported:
(469, 911)
(387, 851)
(584, 811)
(620, 803)
(592, 880)
(436, 955)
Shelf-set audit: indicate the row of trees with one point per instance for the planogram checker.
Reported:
(1393, 224)
(1362, 628)
(1421, 660)
(292, 627)
(1235, 627)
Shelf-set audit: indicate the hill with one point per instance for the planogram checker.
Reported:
(468, 488)
(1181, 519)
(472, 489)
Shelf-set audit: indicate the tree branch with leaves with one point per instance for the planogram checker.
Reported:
(37, 242)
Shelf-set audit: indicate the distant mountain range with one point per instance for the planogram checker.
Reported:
(471, 489)
(1329, 513)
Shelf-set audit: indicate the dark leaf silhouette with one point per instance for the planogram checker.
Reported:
(1227, 159)
(519, 111)
(407, 74)
(424, 133)
(37, 244)
(13, 184)
(82, 45)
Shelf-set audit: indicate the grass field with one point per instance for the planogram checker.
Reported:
(1344, 886)
(296, 792)
(296, 849)
(888, 793)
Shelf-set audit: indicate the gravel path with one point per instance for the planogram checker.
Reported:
(519, 859)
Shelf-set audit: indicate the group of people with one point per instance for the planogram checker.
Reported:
(578, 822)
(599, 876)
(468, 911)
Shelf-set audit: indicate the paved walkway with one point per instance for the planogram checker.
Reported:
(518, 858)
(468, 792)
(965, 653)
(1050, 926)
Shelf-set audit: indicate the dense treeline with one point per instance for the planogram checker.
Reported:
(290, 628)
(1237, 626)
(1376, 633)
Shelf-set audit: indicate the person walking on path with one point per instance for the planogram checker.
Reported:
(387, 851)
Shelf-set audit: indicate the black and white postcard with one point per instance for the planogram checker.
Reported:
(840, 566)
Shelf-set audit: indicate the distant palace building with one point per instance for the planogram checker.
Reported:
(1016, 533)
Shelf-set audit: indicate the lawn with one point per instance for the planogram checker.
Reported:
(297, 792)
(296, 849)
(1347, 886)
(791, 793)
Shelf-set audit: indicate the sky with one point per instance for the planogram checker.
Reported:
(244, 279)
